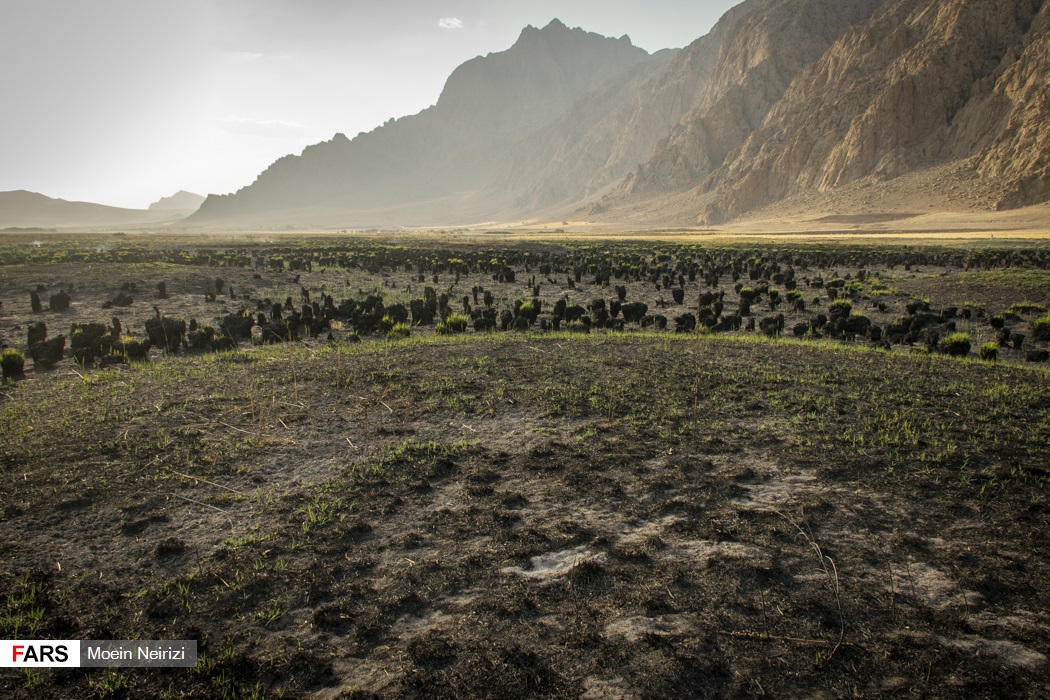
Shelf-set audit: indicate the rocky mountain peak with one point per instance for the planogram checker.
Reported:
(487, 105)
(781, 99)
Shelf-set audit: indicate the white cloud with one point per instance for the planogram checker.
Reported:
(450, 23)
(267, 128)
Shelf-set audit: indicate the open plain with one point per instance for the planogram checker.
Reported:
(459, 465)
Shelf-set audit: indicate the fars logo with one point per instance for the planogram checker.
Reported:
(50, 653)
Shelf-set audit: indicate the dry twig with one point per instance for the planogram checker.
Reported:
(833, 579)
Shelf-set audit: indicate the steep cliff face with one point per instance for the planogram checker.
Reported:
(1008, 128)
(762, 48)
(920, 83)
(488, 104)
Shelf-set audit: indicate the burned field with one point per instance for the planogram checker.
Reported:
(121, 299)
(475, 503)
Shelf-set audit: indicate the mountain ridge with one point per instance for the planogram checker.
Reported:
(919, 84)
(487, 104)
(25, 209)
(783, 101)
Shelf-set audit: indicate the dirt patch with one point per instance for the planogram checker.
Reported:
(552, 565)
(1005, 652)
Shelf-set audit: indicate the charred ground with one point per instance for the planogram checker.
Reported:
(605, 514)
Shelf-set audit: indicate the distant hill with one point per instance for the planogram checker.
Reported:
(22, 209)
(181, 202)
(837, 107)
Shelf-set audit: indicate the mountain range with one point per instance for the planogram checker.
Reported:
(784, 108)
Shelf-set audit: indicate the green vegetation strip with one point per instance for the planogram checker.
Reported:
(895, 412)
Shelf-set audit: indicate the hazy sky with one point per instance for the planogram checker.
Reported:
(125, 101)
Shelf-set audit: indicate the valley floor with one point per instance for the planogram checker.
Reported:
(614, 514)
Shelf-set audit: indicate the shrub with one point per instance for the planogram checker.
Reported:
(577, 327)
(12, 363)
(1041, 328)
(166, 332)
(46, 353)
(916, 305)
(989, 351)
(956, 344)
(685, 323)
(399, 330)
(453, 323)
(131, 350)
(530, 310)
(856, 325)
(840, 309)
(60, 301)
(237, 325)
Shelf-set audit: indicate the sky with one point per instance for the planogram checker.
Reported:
(122, 102)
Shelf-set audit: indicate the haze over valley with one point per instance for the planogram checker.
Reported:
(786, 110)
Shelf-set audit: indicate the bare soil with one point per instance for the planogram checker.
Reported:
(616, 515)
